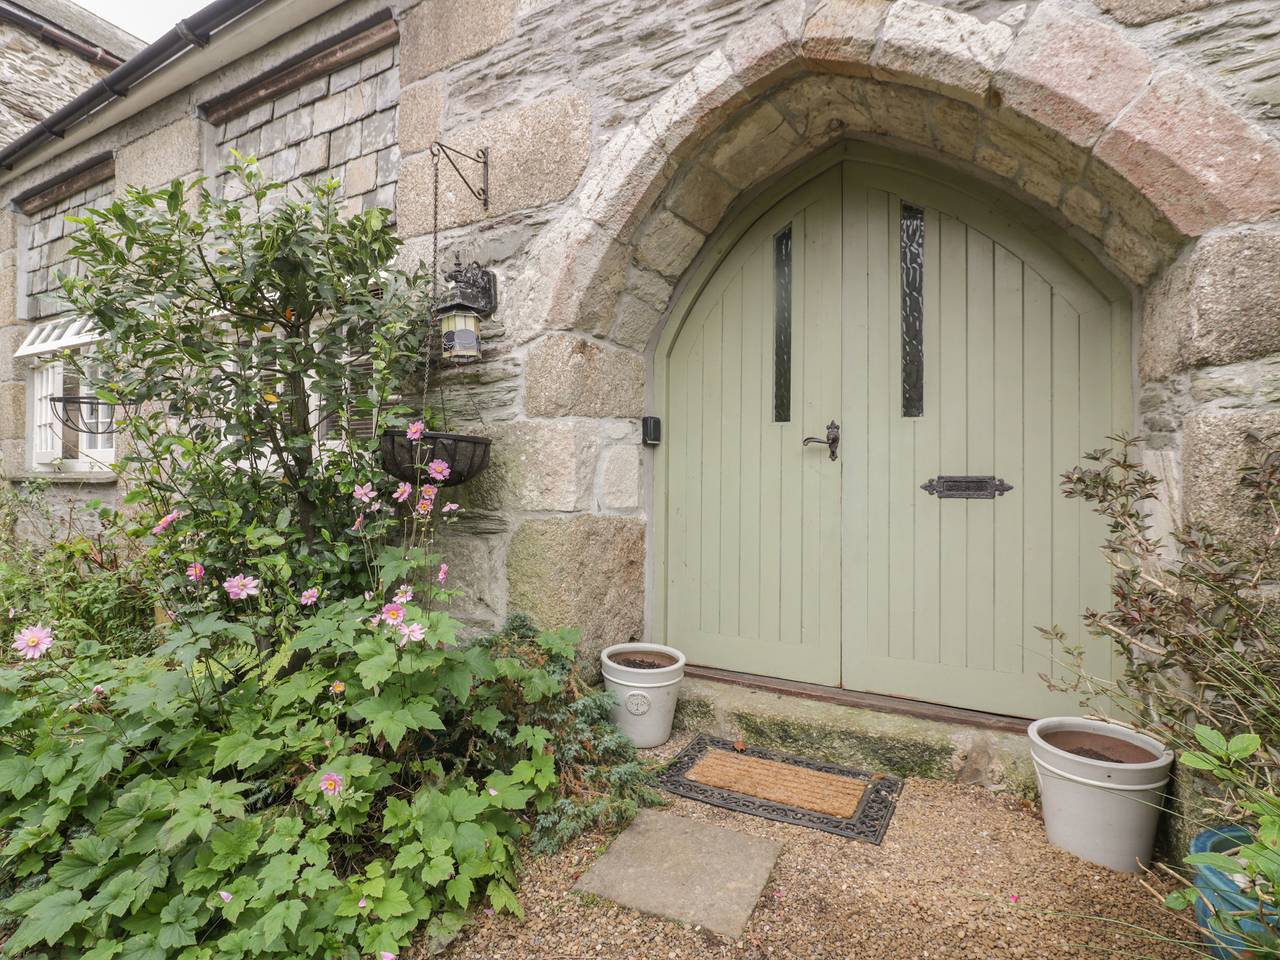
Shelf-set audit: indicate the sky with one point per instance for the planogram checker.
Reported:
(145, 19)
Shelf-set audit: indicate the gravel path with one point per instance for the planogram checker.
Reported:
(961, 874)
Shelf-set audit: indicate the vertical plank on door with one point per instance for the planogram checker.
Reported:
(953, 363)
(927, 508)
(712, 471)
(772, 461)
(1038, 474)
(979, 514)
(1066, 453)
(756, 287)
(679, 576)
(794, 491)
(731, 421)
(1008, 635)
(695, 480)
(823, 320)
(853, 445)
(1095, 425)
(900, 451)
(878, 410)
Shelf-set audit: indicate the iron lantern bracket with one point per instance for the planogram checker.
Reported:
(440, 149)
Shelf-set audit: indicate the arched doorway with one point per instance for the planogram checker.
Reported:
(952, 337)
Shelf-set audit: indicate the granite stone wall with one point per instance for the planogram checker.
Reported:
(622, 136)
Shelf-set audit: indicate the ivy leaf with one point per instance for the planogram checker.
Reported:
(242, 750)
(487, 719)
(49, 920)
(503, 898)
(409, 856)
(235, 844)
(19, 776)
(81, 866)
(190, 818)
(284, 835)
(178, 920)
(99, 755)
(283, 916)
(459, 889)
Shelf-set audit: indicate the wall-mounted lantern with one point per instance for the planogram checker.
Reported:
(471, 296)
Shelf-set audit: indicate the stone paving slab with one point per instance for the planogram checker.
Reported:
(684, 870)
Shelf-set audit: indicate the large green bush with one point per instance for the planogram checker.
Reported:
(302, 760)
(190, 806)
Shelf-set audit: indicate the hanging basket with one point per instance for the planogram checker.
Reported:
(407, 459)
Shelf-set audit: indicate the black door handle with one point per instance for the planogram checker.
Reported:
(832, 439)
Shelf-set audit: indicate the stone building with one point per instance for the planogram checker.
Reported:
(970, 237)
(50, 51)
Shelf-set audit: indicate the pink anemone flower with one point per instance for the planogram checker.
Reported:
(402, 492)
(363, 492)
(438, 470)
(195, 571)
(309, 596)
(415, 430)
(443, 574)
(165, 521)
(241, 586)
(330, 784)
(33, 642)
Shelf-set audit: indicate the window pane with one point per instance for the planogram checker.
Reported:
(912, 238)
(782, 326)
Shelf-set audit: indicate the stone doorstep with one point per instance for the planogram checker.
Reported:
(684, 870)
(872, 740)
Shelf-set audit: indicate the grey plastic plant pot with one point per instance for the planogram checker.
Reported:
(646, 698)
(1102, 812)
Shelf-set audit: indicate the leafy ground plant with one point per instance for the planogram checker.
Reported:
(160, 808)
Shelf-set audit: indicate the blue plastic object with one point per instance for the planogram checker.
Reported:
(1216, 887)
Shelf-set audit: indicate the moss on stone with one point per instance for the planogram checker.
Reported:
(693, 714)
(881, 753)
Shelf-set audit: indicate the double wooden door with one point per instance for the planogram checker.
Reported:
(869, 399)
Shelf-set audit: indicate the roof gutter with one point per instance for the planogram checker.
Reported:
(59, 38)
(181, 57)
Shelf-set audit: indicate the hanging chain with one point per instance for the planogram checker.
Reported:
(435, 272)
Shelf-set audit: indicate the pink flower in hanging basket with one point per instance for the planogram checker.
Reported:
(415, 430)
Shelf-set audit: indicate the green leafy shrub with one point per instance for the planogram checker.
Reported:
(92, 581)
(183, 806)
(260, 347)
(1195, 617)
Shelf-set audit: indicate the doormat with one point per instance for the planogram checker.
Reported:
(778, 786)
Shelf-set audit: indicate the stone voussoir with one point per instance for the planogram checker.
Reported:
(1071, 74)
(840, 35)
(924, 45)
(1185, 149)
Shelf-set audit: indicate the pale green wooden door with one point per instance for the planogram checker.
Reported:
(778, 561)
(1024, 366)
(753, 517)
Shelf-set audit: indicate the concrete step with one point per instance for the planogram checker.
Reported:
(875, 740)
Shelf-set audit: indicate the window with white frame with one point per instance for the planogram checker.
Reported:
(58, 398)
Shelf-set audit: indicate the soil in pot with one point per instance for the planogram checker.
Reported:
(1097, 746)
(644, 660)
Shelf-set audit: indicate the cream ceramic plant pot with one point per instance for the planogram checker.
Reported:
(644, 678)
(1101, 789)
